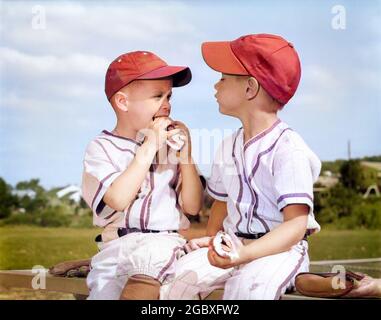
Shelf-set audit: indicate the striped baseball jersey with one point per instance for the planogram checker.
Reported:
(259, 178)
(156, 206)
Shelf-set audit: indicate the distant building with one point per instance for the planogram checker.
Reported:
(373, 165)
(24, 193)
(327, 173)
(73, 192)
(373, 188)
(327, 181)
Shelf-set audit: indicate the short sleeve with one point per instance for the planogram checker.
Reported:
(98, 174)
(215, 186)
(293, 179)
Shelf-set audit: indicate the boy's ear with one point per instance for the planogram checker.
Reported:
(120, 101)
(252, 88)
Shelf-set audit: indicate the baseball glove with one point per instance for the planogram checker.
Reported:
(326, 284)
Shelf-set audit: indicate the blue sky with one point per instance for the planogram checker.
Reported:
(52, 101)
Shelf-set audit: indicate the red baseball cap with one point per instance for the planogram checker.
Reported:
(269, 58)
(142, 65)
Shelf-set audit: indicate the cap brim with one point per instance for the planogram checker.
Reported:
(180, 75)
(219, 56)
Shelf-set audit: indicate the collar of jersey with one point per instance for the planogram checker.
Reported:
(122, 138)
(260, 135)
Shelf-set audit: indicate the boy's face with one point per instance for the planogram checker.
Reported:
(147, 99)
(230, 93)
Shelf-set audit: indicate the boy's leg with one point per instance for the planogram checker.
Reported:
(141, 287)
(268, 278)
(101, 280)
(150, 263)
(194, 278)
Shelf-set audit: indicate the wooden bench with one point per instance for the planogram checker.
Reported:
(10, 279)
(77, 286)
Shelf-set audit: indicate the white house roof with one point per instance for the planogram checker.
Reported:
(22, 193)
(73, 190)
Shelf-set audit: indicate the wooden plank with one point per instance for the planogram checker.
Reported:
(297, 296)
(77, 286)
(23, 279)
(348, 261)
(217, 295)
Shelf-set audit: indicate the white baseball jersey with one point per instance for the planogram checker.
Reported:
(156, 205)
(259, 178)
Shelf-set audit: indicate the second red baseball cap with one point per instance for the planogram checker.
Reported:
(269, 58)
(142, 65)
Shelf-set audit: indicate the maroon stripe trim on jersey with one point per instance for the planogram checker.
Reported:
(127, 220)
(240, 192)
(254, 213)
(117, 147)
(165, 268)
(224, 195)
(148, 212)
(108, 217)
(291, 275)
(120, 137)
(105, 151)
(144, 205)
(261, 135)
(100, 187)
(294, 195)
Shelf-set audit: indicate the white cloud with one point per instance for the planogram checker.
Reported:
(321, 76)
(329, 89)
(91, 25)
(68, 59)
(34, 81)
(319, 89)
(22, 64)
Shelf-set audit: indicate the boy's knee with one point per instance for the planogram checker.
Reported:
(184, 286)
(141, 287)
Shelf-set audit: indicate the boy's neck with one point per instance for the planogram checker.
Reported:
(124, 131)
(257, 122)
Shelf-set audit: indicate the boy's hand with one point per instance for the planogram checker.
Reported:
(221, 262)
(185, 153)
(197, 243)
(156, 134)
(367, 287)
(226, 262)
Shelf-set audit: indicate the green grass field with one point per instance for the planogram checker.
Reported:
(345, 244)
(22, 247)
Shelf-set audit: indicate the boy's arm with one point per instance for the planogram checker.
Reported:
(216, 217)
(278, 240)
(218, 212)
(282, 238)
(191, 188)
(123, 190)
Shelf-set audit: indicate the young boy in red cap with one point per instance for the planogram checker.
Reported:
(136, 185)
(262, 180)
